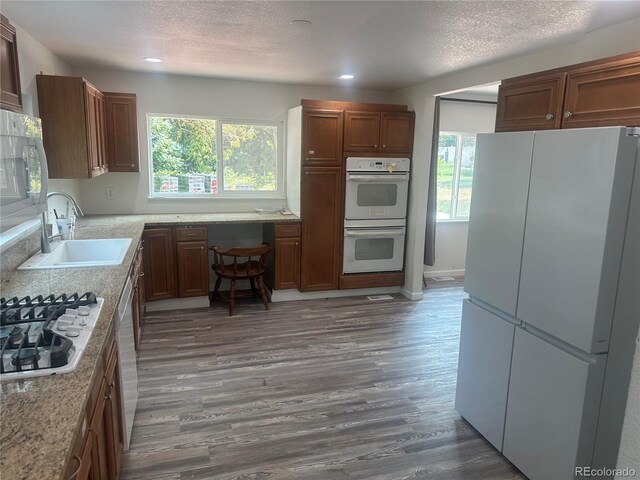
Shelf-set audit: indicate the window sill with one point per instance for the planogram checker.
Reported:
(208, 198)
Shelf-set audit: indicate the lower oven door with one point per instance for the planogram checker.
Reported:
(378, 249)
(376, 195)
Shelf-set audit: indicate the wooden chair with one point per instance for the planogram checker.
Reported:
(241, 263)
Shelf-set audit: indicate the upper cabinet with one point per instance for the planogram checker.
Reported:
(10, 94)
(374, 132)
(121, 132)
(322, 137)
(86, 132)
(600, 93)
(73, 126)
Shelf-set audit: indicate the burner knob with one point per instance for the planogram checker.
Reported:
(83, 311)
(73, 332)
(72, 312)
(83, 322)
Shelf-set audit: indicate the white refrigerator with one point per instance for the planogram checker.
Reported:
(552, 271)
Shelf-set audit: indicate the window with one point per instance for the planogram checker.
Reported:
(208, 157)
(456, 153)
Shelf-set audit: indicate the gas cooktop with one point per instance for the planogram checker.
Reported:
(45, 334)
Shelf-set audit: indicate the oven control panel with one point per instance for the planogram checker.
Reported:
(368, 164)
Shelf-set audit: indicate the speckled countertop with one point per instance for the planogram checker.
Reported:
(39, 417)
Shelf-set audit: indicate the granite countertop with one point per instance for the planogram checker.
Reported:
(42, 415)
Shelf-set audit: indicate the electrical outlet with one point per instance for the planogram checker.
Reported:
(111, 193)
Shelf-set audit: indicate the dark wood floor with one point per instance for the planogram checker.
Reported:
(325, 389)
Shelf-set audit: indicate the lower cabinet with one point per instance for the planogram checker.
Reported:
(138, 300)
(97, 452)
(159, 264)
(486, 342)
(176, 262)
(322, 202)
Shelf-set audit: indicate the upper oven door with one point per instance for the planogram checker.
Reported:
(376, 195)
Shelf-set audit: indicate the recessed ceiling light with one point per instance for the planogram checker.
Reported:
(346, 76)
(152, 59)
(300, 23)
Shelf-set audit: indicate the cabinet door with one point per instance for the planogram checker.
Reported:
(92, 129)
(604, 94)
(322, 137)
(122, 132)
(101, 442)
(531, 103)
(483, 371)
(102, 135)
(552, 411)
(287, 263)
(193, 269)
(361, 131)
(496, 220)
(321, 228)
(159, 264)
(10, 93)
(396, 132)
(113, 414)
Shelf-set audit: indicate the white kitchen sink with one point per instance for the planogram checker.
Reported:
(80, 253)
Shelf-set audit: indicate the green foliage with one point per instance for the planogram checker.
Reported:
(182, 147)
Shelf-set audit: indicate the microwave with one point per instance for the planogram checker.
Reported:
(23, 169)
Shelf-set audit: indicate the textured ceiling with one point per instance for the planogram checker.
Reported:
(386, 44)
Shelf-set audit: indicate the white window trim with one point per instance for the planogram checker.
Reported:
(455, 188)
(278, 193)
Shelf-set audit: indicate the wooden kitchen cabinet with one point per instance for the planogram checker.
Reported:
(378, 132)
(121, 132)
(322, 137)
(176, 263)
(603, 94)
(287, 256)
(159, 264)
(97, 451)
(138, 298)
(73, 126)
(192, 261)
(10, 92)
(592, 94)
(321, 209)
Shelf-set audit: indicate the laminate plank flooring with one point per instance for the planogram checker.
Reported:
(344, 388)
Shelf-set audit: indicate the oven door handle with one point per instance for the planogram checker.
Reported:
(375, 233)
(382, 178)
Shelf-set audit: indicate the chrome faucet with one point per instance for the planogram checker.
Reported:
(45, 246)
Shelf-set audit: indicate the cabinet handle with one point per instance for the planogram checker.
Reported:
(201, 248)
(307, 159)
(549, 116)
(375, 146)
(133, 165)
(141, 274)
(108, 397)
(79, 460)
(296, 244)
(384, 146)
(567, 114)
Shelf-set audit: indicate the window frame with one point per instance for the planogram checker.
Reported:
(280, 174)
(455, 187)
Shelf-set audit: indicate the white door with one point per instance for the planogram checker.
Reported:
(552, 412)
(496, 221)
(483, 371)
(578, 201)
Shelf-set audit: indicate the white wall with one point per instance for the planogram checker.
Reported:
(34, 58)
(451, 236)
(614, 40)
(194, 96)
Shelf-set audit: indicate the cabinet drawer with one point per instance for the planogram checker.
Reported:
(287, 230)
(188, 234)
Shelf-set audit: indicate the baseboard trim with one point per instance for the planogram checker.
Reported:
(439, 273)
(177, 303)
(290, 295)
(412, 295)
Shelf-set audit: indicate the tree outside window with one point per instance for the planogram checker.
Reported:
(456, 155)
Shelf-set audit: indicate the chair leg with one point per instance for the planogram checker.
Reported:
(232, 297)
(253, 287)
(213, 295)
(262, 293)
